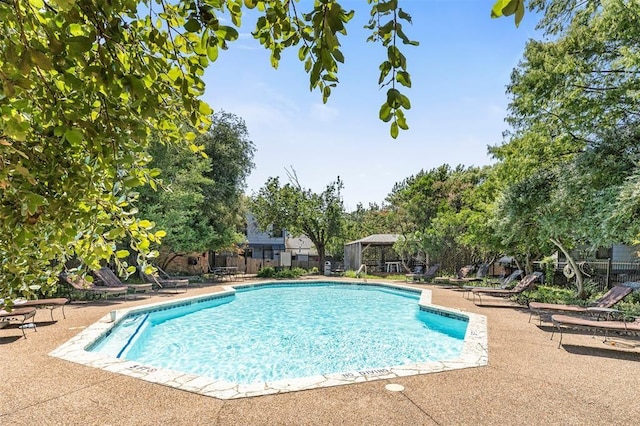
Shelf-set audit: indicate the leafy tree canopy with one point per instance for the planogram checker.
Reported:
(86, 86)
(434, 210)
(301, 211)
(200, 198)
(573, 114)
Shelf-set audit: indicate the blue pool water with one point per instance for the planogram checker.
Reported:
(276, 332)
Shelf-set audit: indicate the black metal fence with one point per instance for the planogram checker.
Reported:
(602, 273)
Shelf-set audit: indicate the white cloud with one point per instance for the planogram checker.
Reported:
(323, 113)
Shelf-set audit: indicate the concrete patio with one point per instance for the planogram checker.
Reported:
(528, 381)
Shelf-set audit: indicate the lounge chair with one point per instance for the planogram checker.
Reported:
(110, 279)
(165, 276)
(463, 274)
(525, 284)
(606, 327)
(78, 283)
(21, 315)
(417, 271)
(610, 298)
(51, 304)
(430, 273)
(502, 284)
(162, 283)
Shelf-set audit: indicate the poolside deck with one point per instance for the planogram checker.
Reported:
(528, 381)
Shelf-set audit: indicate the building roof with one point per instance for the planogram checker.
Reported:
(381, 239)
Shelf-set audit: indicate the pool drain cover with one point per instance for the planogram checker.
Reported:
(394, 387)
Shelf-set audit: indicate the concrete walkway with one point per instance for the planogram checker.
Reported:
(528, 381)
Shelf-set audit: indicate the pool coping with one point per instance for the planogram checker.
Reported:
(474, 351)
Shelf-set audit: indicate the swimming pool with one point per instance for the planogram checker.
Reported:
(276, 337)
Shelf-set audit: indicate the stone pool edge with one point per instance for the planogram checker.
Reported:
(474, 352)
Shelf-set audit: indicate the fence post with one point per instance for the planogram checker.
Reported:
(608, 272)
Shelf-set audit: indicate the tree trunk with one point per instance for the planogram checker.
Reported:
(572, 262)
(321, 257)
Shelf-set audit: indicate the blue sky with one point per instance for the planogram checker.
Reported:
(459, 74)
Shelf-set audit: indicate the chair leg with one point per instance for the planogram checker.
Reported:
(25, 325)
(559, 331)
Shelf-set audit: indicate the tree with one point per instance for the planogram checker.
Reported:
(583, 81)
(301, 211)
(178, 202)
(579, 203)
(200, 200)
(230, 152)
(571, 97)
(434, 209)
(362, 222)
(84, 88)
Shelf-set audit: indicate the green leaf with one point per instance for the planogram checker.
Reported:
(80, 44)
(385, 112)
(192, 25)
(303, 51)
(387, 6)
(403, 15)
(146, 224)
(131, 182)
(212, 53)
(403, 78)
(385, 69)
(510, 8)
(76, 30)
(33, 201)
(519, 13)
(401, 120)
(227, 33)
(114, 234)
(204, 108)
(74, 136)
(392, 98)
(496, 10)
(404, 101)
(394, 130)
(41, 60)
(338, 56)
(122, 254)
(326, 92)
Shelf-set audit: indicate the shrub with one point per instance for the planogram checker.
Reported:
(267, 272)
(291, 273)
(548, 294)
(270, 272)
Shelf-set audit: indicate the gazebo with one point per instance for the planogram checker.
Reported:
(373, 251)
